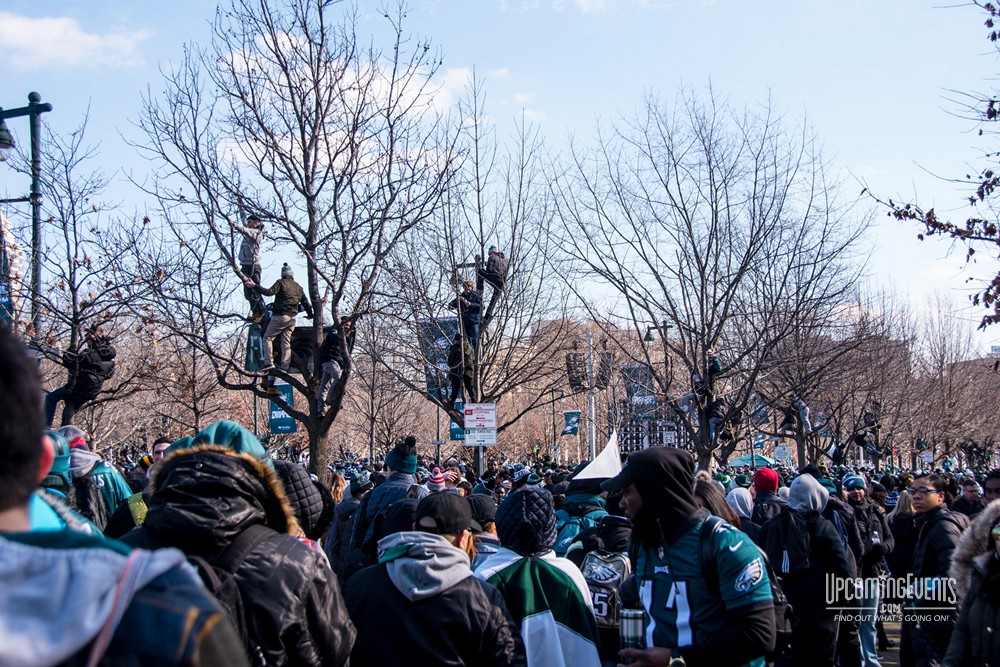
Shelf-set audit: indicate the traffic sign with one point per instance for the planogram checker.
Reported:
(480, 415)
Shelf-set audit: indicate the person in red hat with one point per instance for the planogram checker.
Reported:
(766, 503)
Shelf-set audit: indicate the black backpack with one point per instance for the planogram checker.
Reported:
(784, 616)
(218, 575)
(786, 543)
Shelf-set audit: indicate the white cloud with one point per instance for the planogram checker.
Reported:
(452, 85)
(523, 98)
(499, 73)
(30, 44)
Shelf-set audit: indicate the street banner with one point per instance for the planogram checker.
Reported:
(436, 336)
(639, 388)
(456, 432)
(280, 421)
(572, 422)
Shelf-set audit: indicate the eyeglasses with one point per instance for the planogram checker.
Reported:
(922, 492)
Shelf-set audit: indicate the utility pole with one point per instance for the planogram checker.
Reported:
(591, 391)
(33, 111)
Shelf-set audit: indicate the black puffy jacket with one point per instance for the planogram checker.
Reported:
(89, 369)
(201, 499)
(337, 543)
(975, 640)
(939, 530)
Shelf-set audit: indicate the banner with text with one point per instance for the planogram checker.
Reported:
(436, 336)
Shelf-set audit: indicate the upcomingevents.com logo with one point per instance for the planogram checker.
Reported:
(930, 592)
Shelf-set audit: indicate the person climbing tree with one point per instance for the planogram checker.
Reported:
(469, 305)
(88, 370)
(289, 298)
(249, 258)
(495, 272)
(461, 369)
(332, 360)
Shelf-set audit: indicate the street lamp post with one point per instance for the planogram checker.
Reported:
(33, 111)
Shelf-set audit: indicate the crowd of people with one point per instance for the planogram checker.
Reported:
(210, 551)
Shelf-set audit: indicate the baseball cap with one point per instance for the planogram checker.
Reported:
(484, 510)
(443, 514)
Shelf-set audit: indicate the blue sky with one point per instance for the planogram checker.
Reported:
(873, 78)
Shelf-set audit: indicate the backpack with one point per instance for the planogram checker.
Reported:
(604, 572)
(567, 529)
(785, 621)
(218, 574)
(86, 499)
(786, 542)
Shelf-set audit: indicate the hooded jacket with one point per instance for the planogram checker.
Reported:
(976, 571)
(827, 555)
(63, 586)
(201, 499)
(547, 596)
(741, 627)
(421, 606)
(112, 485)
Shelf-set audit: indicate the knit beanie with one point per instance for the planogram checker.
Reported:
(74, 436)
(436, 481)
(59, 472)
(361, 481)
(764, 480)
(403, 457)
(228, 434)
(286, 271)
(526, 522)
(741, 481)
(854, 482)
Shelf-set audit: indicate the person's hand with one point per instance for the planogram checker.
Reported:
(646, 657)
(249, 283)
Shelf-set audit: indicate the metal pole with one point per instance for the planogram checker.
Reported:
(590, 396)
(554, 436)
(35, 123)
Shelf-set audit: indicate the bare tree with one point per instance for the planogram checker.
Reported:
(336, 145)
(498, 195)
(719, 223)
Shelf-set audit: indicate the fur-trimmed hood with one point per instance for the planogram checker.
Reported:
(205, 495)
(974, 549)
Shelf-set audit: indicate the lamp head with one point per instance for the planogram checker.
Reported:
(6, 141)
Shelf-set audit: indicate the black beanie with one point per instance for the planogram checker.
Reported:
(526, 522)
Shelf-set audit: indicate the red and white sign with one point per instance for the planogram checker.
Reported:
(480, 415)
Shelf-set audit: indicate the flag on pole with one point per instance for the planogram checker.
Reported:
(572, 422)
(605, 465)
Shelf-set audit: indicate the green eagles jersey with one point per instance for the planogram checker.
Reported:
(680, 609)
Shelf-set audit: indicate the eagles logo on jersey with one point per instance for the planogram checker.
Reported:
(750, 576)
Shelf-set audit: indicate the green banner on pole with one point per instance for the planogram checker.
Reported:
(280, 421)
(455, 431)
(572, 422)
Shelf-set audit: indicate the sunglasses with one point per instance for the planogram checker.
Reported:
(922, 492)
(995, 533)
